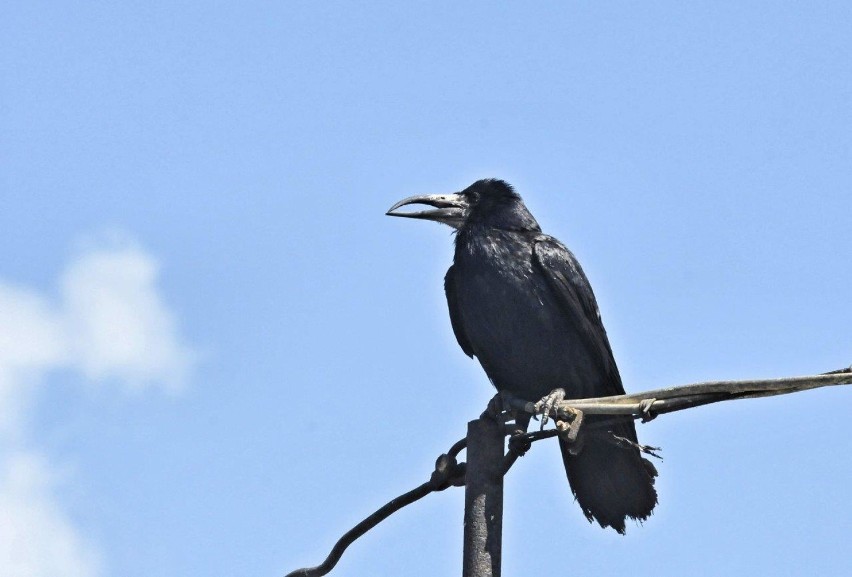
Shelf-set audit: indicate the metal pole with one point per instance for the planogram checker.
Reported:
(483, 499)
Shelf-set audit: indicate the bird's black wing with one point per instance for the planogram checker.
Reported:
(574, 293)
(455, 314)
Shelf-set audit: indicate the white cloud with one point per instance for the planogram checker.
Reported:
(109, 324)
(121, 329)
(36, 537)
(31, 339)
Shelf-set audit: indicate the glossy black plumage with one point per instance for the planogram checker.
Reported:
(520, 303)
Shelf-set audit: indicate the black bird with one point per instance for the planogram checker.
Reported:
(520, 303)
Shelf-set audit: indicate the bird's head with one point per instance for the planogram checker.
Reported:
(490, 202)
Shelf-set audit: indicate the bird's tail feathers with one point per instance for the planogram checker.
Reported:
(609, 478)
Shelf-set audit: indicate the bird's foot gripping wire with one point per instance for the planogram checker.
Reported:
(567, 428)
(546, 405)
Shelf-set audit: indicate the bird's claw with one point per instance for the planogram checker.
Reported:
(546, 404)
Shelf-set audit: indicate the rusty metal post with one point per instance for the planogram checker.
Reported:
(483, 499)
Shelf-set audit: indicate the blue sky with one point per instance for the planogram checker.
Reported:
(217, 353)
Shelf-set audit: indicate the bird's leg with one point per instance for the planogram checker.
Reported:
(519, 442)
(520, 426)
(546, 404)
(499, 409)
(494, 410)
(503, 407)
